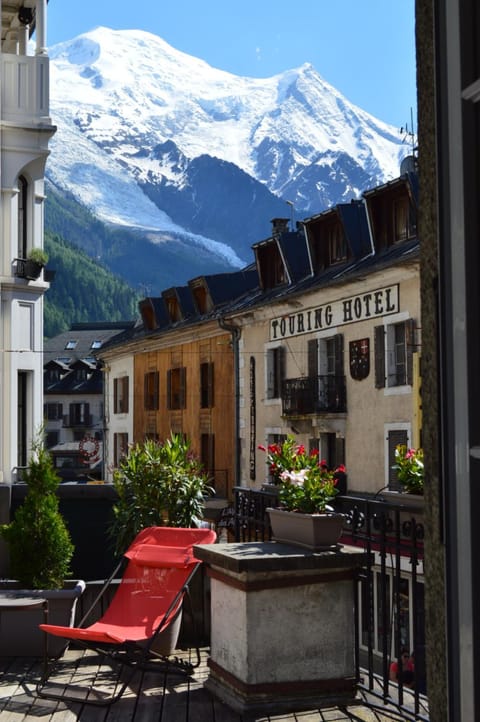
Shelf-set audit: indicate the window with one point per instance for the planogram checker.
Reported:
(79, 414)
(151, 391)
(330, 447)
(96, 344)
(52, 375)
(326, 387)
(325, 356)
(272, 269)
(23, 387)
(71, 344)
(403, 225)
(51, 438)
(22, 217)
(275, 371)
(207, 453)
(120, 447)
(177, 388)
(206, 385)
(337, 245)
(81, 374)
(53, 412)
(394, 346)
(120, 395)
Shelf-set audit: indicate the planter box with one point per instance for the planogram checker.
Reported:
(311, 531)
(404, 499)
(19, 632)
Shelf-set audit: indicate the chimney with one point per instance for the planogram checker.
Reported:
(279, 226)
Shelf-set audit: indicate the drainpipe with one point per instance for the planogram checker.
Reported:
(236, 333)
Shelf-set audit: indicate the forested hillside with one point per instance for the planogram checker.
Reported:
(82, 290)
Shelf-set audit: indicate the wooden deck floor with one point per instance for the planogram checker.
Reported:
(155, 697)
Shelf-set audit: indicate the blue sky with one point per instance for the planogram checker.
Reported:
(365, 48)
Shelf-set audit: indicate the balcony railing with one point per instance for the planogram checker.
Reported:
(389, 609)
(24, 88)
(314, 395)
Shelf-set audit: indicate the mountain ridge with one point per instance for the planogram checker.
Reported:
(154, 140)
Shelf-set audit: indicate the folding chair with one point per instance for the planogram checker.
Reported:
(159, 566)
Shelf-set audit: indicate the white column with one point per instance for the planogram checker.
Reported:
(41, 27)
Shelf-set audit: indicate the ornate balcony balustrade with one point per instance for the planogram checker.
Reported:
(314, 395)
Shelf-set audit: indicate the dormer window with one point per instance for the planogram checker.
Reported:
(328, 242)
(201, 299)
(272, 269)
(173, 309)
(81, 374)
(392, 215)
(336, 242)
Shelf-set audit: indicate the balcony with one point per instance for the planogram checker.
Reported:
(24, 88)
(314, 395)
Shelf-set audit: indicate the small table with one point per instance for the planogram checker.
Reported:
(15, 601)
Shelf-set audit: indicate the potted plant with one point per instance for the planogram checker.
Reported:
(40, 552)
(158, 484)
(410, 469)
(306, 491)
(37, 258)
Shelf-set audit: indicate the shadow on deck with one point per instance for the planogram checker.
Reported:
(159, 696)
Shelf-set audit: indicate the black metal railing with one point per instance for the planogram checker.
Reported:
(389, 607)
(314, 395)
(71, 420)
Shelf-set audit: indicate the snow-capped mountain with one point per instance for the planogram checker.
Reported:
(153, 139)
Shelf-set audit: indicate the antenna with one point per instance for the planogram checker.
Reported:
(408, 133)
(292, 212)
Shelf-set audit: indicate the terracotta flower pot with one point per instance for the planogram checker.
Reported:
(311, 531)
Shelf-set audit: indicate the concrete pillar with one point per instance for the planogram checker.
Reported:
(282, 626)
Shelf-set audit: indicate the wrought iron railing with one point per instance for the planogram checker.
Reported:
(314, 395)
(389, 607)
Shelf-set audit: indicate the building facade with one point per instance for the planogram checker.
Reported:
(26, 128)
(330, 348)
(74, 416)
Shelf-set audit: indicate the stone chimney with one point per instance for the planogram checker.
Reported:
(279, 226)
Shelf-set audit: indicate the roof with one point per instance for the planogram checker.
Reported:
(81, 342)
(237, 292)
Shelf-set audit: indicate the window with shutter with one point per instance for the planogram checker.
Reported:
(177, 388)
(151, 391)
(120, 395)
(206, 385)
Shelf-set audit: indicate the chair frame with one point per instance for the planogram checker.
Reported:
(129, 654)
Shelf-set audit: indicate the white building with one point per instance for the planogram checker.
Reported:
(25, 129)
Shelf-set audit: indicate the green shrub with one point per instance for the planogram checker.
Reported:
(39, 541)
(158, 484)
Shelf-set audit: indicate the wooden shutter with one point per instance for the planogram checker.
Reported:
(115, 396)
(339, 355)
(379, 357)
(182, 391)
(279, 365)
(410, 347)
(395, 437)
(169, 389)
(313, 358)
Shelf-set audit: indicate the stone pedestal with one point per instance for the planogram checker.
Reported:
(282, 625)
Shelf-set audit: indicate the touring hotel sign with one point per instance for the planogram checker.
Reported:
(372, 304)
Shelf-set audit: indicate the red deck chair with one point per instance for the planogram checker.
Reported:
(159, 566)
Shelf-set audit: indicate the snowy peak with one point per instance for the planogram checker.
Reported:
(153, 138)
